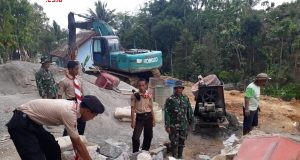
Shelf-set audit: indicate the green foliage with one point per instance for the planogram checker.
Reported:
(225, 76)
(228, 38)
(101, 12)
(136, 37)
(86, 60)
(25, 26)
(286, 92)
(231, 76)
(182, 57)
(167, 32)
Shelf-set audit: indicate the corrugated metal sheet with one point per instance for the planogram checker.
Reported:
(269, 148)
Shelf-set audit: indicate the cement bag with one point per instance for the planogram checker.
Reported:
(157, 112)
(125, 119)
(123, 112)
(66, 144)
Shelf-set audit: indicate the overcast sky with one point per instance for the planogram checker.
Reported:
(58, 11)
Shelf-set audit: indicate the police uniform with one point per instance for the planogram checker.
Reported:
(45, 82)
(178, 116)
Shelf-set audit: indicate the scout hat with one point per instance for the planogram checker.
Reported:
(93, 104)
(262, 76)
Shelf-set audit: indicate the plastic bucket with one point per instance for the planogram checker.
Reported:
(156, 82)
(161, 94)
(170, 82)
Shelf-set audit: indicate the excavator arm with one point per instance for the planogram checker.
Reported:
(100, 27)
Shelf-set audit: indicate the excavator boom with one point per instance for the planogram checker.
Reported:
(99, 26)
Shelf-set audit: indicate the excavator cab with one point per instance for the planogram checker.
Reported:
(103, 48)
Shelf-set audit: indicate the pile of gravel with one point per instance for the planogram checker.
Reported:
(17, 86)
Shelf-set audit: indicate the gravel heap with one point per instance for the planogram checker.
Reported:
(17, 86)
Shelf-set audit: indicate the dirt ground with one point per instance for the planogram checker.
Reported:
(17, 86)
(276, 116)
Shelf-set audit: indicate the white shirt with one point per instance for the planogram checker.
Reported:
(253, 93)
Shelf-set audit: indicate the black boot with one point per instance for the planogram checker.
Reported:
(174, 151)
(246, 131)
(180, 152)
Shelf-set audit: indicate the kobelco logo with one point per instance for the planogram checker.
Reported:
(151, 60)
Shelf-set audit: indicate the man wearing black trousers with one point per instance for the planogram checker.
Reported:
(33, 142)
(67, 88)
(142, 117)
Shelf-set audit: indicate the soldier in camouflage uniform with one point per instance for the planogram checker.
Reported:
(178, 116)
(45, 81)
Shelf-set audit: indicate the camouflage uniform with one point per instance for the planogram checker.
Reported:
(45, 83)
(178, 116)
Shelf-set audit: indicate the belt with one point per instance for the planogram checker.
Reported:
(144, 114)
(24, 115)
(21, 113)
(72, 99)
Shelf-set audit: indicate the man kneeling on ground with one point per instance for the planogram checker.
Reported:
(33, 142)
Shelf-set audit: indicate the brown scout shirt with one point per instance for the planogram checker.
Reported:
(66, 87)
(144, 105)
(53, 112)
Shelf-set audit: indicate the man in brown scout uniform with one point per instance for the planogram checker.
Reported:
(33, 142)
(66, 87)
(142, 117)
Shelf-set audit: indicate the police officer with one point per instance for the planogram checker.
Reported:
(44, 80)
(33, 142)
(178, 116)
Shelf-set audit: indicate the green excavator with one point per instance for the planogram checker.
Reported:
(105, 52)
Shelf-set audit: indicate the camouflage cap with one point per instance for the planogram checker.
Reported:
(178, 84)
(45, 60)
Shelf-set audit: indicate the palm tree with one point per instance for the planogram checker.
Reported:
(102, 13)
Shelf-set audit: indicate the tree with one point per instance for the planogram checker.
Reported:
(25, 26)
(102, 13)
(166, 33)
(183, 50)
(202, 37)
